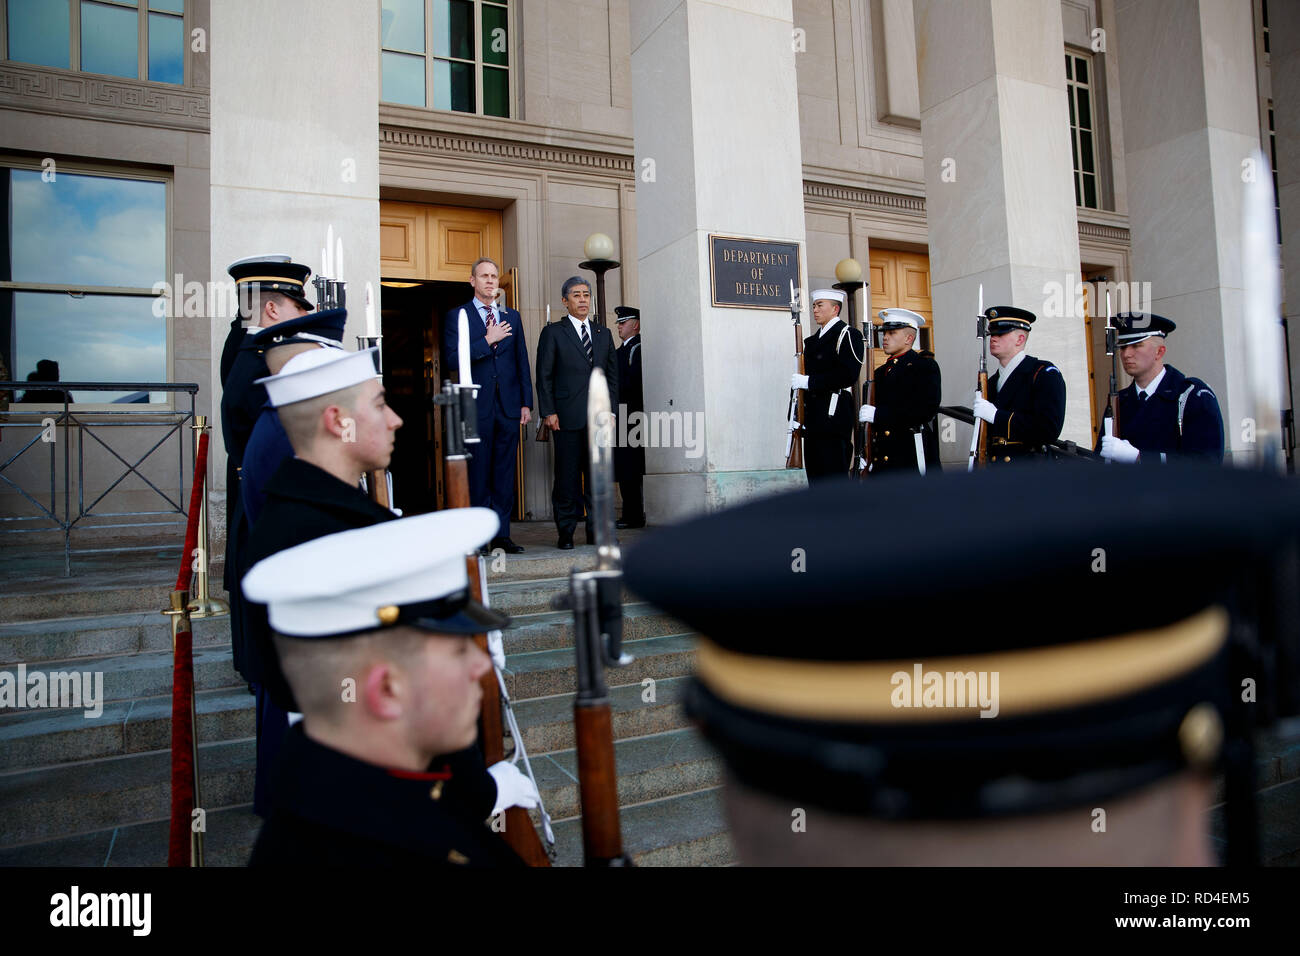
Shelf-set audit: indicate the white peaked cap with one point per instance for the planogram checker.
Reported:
(369, 578)
(835, 295)
(319, 372)
(901, 317)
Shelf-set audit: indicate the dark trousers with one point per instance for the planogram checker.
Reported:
(492, 465)
(633, 498)
(826, 456)
(569, 496)
(272, 725)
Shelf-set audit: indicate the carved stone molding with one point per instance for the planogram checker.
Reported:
(421, 141)
(74, 94)
(869, 198)
(1096, 230)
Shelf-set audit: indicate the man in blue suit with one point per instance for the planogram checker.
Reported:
(499, 364)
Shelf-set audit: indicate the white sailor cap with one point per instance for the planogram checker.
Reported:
(409, 571)
(834, 295)
(319, 372)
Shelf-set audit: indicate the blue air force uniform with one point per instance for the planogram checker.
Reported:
(1180, 418)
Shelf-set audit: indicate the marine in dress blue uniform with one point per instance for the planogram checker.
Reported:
(505, 396)
(1119, 690)
(360, 782)
(832, 362)
(908, 388)
(1025, 409)
(1163, 413)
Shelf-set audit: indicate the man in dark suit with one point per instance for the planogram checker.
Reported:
(629, 462)
(499, 365)
(832, 359)
(908, 388)
(1026, 404)
(567, 351)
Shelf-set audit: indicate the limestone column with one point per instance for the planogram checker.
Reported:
(716, 118)
(999, 192)
(1284, 35)
(1187, 76)
(295, 150)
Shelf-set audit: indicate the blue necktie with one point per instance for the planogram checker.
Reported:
(586, 344)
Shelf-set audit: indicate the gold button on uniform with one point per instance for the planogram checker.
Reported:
(435, 792)
(388, 614)
(455, 856)
(886, 433)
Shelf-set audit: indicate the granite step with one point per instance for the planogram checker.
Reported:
(128, 676)
(552, 630)
(685, 830)
(37, 738)
(532, 596)
(101, 635)
(76, 600)
(546, 673)
(547, 722)
(67, 800)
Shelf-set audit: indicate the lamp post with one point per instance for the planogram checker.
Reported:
(599, 248)
(849, 272)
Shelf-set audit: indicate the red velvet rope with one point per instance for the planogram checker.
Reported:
(182, 782)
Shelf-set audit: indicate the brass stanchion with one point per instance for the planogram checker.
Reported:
(203, 604)
(180, 616)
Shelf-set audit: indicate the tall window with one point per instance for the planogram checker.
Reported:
(1079, 86)
(81, 254)
(139, 39)
(448, 54)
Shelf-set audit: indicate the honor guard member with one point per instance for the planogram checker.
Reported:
(629, 462)
(375, 630)
(908, 386)
(832, 361)
(1162, 413)
(1026, 404)
(955, 738)
(331, 405)
(269, 291)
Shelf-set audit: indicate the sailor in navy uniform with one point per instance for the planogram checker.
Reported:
(908, 387)
(270, 290)
(1101, 695)
(1163, 413)
(375, 628)
(832, 362)
(1026, 405)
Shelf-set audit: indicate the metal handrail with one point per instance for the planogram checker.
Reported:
(87, 421)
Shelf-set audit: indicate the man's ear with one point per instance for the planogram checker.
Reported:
(333, 418)
(382, 687)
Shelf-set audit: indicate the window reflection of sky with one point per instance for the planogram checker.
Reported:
(90, 230)
(38, 32)
(97, 338)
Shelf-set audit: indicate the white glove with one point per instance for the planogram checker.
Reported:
(497, 648)
(798, 381)
(1117, 449)
(867, 413)
(793, 425)
(984, 408)
(513, 788)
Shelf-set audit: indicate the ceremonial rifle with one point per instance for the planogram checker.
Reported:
(979, 439)
(460, 434)
(866, 431)
(596, 599)
(794, 412)
(1110, 418)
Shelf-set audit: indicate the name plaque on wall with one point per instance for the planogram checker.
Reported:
(752, 273)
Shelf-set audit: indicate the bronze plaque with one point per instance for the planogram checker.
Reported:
(752, 273)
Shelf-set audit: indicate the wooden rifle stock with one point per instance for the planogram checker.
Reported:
(520, 834)
(794, 456)
(868, 432)
(377, 485)
(594, 737)
(982, 450)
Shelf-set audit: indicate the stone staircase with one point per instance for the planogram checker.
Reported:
(76, 791)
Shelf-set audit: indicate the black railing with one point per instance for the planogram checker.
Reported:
(90, 425)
